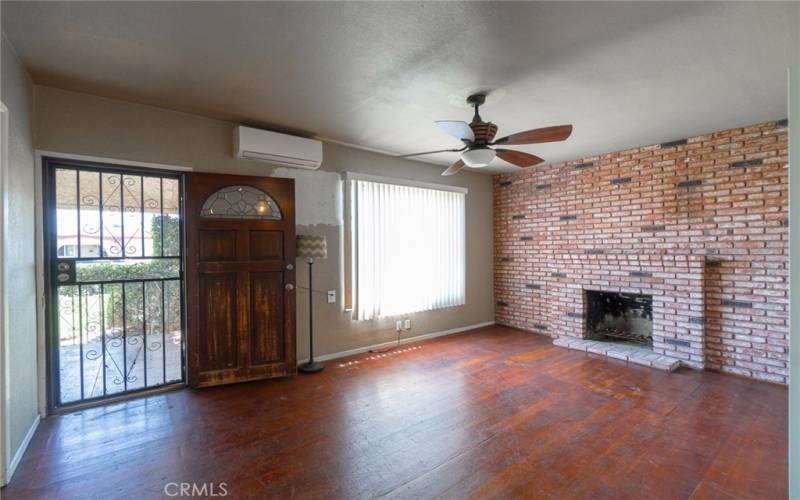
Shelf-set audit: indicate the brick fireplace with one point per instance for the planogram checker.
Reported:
(675, 284)
(619, 317)
(700, 224)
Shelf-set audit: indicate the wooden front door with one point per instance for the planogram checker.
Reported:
(240, 257)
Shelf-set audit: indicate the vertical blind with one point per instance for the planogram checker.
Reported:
(408, 249)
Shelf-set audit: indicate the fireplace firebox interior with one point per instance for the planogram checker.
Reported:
(625, 317)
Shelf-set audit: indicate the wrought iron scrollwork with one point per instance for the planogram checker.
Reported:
(115, 331)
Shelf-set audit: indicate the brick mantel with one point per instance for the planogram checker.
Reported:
(701, 224)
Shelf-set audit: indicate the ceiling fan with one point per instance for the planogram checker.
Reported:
(478, 136)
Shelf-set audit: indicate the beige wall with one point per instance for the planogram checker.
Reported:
(18, 251)
(794, 282)
(76, 123)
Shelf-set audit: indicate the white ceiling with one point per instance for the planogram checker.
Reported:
(377, 75)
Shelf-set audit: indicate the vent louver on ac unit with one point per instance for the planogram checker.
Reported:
(277, 149)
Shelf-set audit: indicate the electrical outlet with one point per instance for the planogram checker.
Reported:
(399, 325)
(331, 296)
(408, 324)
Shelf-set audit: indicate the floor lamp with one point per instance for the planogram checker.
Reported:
(311, 247)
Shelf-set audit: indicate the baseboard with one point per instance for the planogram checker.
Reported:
(408, 340)
(12, 466)
(526, 330)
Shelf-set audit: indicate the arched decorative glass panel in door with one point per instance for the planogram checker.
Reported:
(241, 202)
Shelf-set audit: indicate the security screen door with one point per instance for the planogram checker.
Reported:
(113, 253)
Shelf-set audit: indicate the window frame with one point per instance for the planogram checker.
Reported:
(349, 255)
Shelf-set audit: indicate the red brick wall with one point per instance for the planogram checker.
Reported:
(701, 224)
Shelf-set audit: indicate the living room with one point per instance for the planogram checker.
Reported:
(404, 249)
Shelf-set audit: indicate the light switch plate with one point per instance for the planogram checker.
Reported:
(331, 296)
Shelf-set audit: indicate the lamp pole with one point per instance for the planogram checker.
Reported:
(310, 366)
(310, 313)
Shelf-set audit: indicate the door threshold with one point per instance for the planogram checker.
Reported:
(128, 396)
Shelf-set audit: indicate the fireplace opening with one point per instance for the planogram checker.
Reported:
(626, 317)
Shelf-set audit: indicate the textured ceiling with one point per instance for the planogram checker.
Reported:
(377, 75)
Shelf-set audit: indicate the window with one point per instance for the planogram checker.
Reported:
(66, 251)
(406, 246)
(86, 251)
(240, 202)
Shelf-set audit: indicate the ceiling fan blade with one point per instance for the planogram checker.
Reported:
(432, 152)
(537, 135)
(518, 158)
(454, 168)
(459, 130)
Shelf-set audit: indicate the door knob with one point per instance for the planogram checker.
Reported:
(289, 286)
(289, 267)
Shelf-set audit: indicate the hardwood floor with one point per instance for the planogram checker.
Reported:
(494, 413)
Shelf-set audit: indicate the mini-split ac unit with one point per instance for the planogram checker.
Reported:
(277, 149)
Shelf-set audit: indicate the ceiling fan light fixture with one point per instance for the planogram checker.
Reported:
(478, 157)
(478, 137)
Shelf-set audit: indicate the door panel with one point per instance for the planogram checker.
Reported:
(216, 244)
(240, 278)
(218, 307)
(266, 245)
(266, 317)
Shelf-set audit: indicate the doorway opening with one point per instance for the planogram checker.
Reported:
(113, 242)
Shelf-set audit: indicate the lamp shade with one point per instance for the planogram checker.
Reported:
(312, 246)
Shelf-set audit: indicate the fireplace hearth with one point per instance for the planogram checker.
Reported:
(619, 317)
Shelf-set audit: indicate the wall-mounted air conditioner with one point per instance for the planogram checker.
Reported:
(276, 149)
